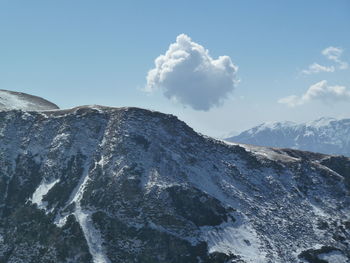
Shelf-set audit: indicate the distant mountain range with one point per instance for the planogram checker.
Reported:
(325, 135)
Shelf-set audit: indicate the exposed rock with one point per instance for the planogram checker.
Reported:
(98, 184)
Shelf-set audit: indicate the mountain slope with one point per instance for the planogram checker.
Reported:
(97, 184)
(325, 135)
(10, 100)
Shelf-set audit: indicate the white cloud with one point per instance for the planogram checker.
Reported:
(319, 91)
(187, 74)
(316, 68)
(334, 54)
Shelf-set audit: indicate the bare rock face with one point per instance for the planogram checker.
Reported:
(11, 100)
(110, 185)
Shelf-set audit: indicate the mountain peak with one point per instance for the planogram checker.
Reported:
(326, 135)
(274, 125)
(12, 100)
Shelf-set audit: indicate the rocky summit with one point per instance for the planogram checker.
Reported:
(119, 185)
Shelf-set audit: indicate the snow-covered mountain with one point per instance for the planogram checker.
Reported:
(10, 100)
(98, 184)
(325, 135)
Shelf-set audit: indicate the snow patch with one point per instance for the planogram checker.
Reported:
(318, 211)
(42, 190)
(60, 221)
(334, 257)
(11, 101)
(92, 236)
(154, 180)
(240, 240)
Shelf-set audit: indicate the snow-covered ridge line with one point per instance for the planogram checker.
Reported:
(11, 100)
(101, 109)
(325, 135)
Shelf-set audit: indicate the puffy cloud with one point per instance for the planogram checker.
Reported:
(334, 54)
(316, 68)
(319, 91)
(187, 74)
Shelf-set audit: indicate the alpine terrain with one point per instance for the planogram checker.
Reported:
(10, 100)
(325, 135)
(118, 185)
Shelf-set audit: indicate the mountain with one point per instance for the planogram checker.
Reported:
(325, 135)
(98, 184)
(10, 100)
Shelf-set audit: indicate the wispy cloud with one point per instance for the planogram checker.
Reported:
(317, 68)
(186, 73)
(319, 91)
(333, 54)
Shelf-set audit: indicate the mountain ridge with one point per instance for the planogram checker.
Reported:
(132, 185)
(11, 100)
(325, 135)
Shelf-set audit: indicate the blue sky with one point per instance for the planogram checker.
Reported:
(99, 52)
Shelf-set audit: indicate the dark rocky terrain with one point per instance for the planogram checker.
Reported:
(97, 184)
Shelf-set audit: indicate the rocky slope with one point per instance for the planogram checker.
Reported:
(10, 100)
(325, 135)
(107, 185)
